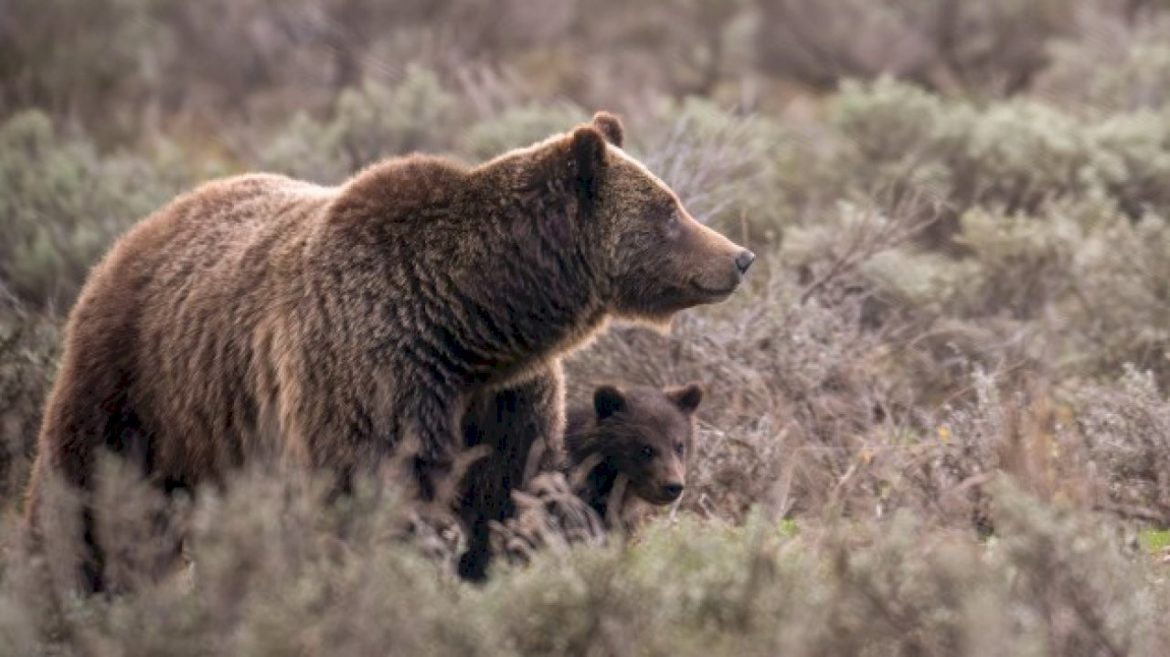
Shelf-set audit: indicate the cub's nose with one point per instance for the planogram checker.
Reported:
(672, 491)
(744, 260)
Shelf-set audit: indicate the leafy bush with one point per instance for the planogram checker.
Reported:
(722, 165)
(1111, 64)
(270, 576)
(367, 124)
(61, 204)
(29, 343)
(1125, 427)
(1013, 156)
(517, 127)
(1120, 301)
(47, 62)
(994, 47)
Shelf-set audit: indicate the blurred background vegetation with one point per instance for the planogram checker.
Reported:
(937, 420)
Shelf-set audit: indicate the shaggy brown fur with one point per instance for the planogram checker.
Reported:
(625, 452)
(263, 317)
(632, 444)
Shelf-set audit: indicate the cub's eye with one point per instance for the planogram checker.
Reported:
(646, 453)
(679, 448)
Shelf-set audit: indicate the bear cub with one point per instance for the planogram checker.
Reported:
(632, 443)
(625, 451)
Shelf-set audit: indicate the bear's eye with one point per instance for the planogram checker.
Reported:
(672, 223)
(647, 452)
(679, 448)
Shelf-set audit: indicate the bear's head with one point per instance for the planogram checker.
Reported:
(644, 433)
(651, 257)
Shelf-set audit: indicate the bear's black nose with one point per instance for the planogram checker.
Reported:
(672, 491)
(744, 260)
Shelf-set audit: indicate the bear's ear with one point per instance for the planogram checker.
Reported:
(687, 397)
(610, 126)
(588, 155)
(608, 400)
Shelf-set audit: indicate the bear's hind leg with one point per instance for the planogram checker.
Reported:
(80, 424)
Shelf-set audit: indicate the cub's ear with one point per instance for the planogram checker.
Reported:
(611, 127)
(608, 400)
(687, 397)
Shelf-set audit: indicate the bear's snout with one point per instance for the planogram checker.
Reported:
(730, 272)
(725, 263)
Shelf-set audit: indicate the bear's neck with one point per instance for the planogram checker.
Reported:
(547, 307)
(549, 284)
(502, 281)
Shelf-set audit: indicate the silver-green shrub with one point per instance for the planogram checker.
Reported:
(62, 203)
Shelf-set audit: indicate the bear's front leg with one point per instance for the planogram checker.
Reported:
(430, 440)
(509, 421)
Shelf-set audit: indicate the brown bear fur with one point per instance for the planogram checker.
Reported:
(633, 443)
(601, 479)
(260, 317)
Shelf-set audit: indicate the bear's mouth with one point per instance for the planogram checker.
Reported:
(713, 292)
(652, 496)
(659, 500)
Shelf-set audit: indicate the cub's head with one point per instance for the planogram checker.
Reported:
(644, 433)
(653, 258)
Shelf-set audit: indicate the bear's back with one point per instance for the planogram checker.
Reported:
(234, 213)
(190, 288)
(228, 253)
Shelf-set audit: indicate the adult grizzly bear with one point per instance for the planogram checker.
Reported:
(260, 317)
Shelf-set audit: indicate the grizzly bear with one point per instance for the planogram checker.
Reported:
(626, 450)
(261, 317)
